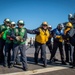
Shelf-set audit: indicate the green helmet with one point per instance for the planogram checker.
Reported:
(20, 22)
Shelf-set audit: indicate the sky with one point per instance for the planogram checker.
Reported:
(34, 12)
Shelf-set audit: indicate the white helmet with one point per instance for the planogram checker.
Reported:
(70, 16)
(13, 22)
(20, 22)
(50, 26)
(7, 20)
(62, 25)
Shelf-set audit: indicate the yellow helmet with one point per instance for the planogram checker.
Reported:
(69, 25)
(45, 23)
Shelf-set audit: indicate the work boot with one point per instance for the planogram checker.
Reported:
(41, 59)
(45, 65)
(12, 65)
(36, 63)
(18, 63)
(5, 65)
(70, 63)
(73, 67)
(25, 69)
(63, 63)
(51, 61)
(55, 59)
(67, 61)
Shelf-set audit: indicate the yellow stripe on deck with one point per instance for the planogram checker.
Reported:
(37, 71)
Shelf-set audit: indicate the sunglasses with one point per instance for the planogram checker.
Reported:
(20, 24)
(44, 25)
(7, 22)
(12, 24)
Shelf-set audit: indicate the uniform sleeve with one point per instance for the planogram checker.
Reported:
(0, 28)
(53, 33)
(35, 31)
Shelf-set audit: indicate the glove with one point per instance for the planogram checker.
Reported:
(58, 36)
(10, 38)
(22, 40)
(18, 38)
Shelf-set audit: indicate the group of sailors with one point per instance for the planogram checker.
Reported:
(14, 37)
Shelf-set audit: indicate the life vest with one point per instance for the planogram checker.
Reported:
(43, 36)
(2, 29)
(66, 30)
(58, 35)
(19, 32)
(4, 36)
